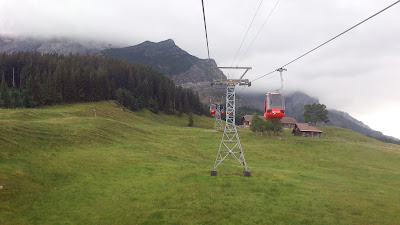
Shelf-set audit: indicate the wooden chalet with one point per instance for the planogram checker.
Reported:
(288, 122)
(246, 120)
(306, 130)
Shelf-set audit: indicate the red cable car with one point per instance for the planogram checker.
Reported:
(274, 106)
(213, 109)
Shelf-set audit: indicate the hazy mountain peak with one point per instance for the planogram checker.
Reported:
(167, 42)
(54, 45)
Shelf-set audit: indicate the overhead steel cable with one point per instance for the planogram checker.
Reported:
(257, 79)
(205, 29)
(241, 44)
(326, 42)
(259, 31)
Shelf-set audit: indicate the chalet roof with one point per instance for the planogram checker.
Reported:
(248, 118)
(307, 127)
(288, 120)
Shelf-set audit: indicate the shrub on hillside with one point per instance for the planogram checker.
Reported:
(191, 122)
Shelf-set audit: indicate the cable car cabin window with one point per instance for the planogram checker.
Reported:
(275, 101)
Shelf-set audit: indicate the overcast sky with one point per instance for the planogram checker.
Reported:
(357, 73)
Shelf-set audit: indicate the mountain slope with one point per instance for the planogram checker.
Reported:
(169, 59)
(64, 165)
(184, 69)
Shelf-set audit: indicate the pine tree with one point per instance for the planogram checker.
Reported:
(276, 127)
(4, 93)
(316, 113)
(185, 103)
(160, 97)
(153, 106)
(16, 98)
(191, 122)
(256, 123)
(180, 110)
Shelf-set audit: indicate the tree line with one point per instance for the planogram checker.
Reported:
(32, 79)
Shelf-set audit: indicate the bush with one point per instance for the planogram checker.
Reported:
(191, 122)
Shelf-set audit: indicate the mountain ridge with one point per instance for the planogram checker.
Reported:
(166, 57)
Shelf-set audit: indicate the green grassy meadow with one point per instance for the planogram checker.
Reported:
(63, 165)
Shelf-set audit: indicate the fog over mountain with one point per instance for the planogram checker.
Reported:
(60, 46)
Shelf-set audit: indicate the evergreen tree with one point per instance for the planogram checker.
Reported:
(256, 124)
(180, 110)
(185, 103)
(168, 107)
(191, 122)
(275, 127)
(28, 93)
(16, 98)
(153, 106)
(160, 97)
(268, 127)
(316, 113)
(4, 93)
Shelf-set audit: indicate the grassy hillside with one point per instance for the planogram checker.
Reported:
(63, 165)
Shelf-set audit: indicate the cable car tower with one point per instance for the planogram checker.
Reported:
(230, 143)
(218, 124)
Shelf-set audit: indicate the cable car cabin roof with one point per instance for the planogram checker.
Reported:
(306, 127)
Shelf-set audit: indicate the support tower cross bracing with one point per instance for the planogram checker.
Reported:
(218, 124)
(230, 142)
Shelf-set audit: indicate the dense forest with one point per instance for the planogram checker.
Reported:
(35, 79)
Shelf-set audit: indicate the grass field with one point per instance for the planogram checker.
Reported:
(62, 165)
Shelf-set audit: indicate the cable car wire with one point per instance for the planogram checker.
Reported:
(326, 42)
(259, 31)
(257, 79)
(205, 29)
(241, 44)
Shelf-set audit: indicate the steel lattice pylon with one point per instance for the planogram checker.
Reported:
(230, 143)
(218, 122)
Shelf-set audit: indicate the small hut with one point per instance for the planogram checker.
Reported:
(288, 122)
(306, 130)
(246, 120)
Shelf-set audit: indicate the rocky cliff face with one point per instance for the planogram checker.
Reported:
(167, 58)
